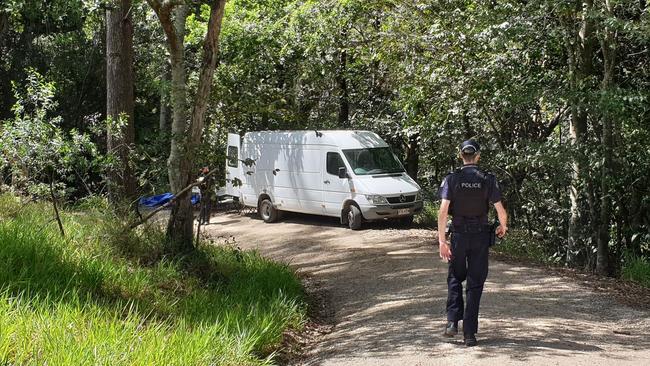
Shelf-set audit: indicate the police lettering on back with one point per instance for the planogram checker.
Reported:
(470, 191)
(471, 185)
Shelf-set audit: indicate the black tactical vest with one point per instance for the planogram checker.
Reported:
(469, 190)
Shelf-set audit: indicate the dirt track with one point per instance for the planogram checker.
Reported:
(386, 292)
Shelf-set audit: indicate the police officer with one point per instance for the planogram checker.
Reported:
(466, 195)
(207, 194)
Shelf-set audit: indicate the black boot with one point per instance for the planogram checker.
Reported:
(470, 340)
(451, 329)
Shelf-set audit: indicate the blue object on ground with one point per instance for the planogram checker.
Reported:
(161, 199)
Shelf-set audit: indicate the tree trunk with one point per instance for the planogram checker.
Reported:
(119, 97)
(186, 137)
(342, 80)
(181, 220)
(580, 68)
(412, 155)
(178, 99)
(165, 110)
(609, 59)
(467, 127)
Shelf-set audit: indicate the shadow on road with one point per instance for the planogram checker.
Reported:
(388, 293)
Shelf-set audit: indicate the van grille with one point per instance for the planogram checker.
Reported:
(401, 199)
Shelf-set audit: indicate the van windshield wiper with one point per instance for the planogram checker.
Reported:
(384, 171)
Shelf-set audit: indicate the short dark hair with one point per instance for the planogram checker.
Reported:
(468, 157)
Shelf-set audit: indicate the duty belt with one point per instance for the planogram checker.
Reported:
(471, 228)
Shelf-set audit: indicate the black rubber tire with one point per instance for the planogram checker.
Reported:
(267, 212)
(354, 218)
(406, 222)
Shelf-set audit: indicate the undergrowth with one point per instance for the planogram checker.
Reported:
(428, 217)
(519, 244)
(102, 296)
(637, 269)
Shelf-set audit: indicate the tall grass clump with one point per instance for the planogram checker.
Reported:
(637, 269)
(90, 299)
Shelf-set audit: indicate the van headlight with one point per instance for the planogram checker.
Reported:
(418, 196)
(376, 199)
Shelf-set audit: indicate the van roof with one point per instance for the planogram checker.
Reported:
(345, 139)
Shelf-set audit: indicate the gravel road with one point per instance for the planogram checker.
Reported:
(386, 292)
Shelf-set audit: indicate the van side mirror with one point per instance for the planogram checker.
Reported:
(343, 173)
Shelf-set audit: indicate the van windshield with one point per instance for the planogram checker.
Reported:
(373, 161)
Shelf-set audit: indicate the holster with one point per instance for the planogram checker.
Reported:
(493, 234)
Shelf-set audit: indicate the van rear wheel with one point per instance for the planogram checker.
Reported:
(354, 218)
(267, 212)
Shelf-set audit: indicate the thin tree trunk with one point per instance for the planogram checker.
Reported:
(467, 126)
(609, 59)
(165, 110)
(56, 208)
(580, 68)
(119, 97)
(342, 80)
(412, 155)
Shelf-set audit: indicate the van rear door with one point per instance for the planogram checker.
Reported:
(234, 178)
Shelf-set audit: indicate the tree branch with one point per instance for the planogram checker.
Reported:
(56, 209)
(164, 13)
(554, 122)
(169, 203)
(208, 65)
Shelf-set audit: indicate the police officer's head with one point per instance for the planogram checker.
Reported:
(469, 152)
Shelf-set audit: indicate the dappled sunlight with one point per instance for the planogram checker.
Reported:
(388, 291)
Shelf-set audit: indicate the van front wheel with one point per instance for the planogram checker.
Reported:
(268, 213)
(354, 218)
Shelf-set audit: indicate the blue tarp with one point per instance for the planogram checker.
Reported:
(161, 199)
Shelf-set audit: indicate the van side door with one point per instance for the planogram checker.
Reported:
(335, 190)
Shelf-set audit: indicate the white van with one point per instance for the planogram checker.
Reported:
(353, 175)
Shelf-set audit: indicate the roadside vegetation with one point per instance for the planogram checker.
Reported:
(520, 245)
(428, 217)
(99, 296)
(637, 269)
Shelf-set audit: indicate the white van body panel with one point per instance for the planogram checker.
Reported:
(290, 168)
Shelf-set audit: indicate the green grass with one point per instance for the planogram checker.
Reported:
(636, 269)
(99, 297)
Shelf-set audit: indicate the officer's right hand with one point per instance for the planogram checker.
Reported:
(445, 251)
(501, 231)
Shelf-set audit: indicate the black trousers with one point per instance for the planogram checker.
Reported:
(469, 261)
(206, 209)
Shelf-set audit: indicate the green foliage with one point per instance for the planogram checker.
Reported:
(429, 215)
(519, 244)
(438, 72)
(637, 269)
(34, 147)
(82, 301)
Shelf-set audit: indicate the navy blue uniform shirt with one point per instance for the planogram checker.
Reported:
(494, 196)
